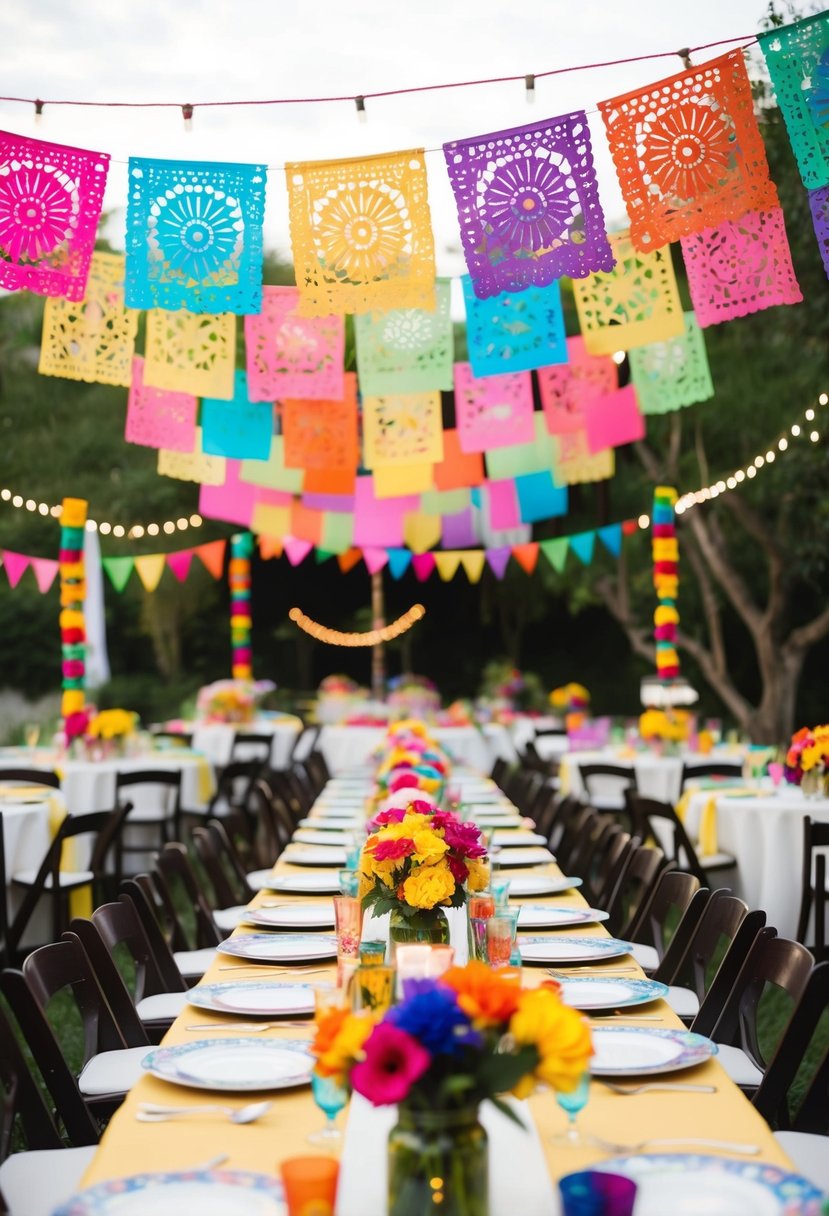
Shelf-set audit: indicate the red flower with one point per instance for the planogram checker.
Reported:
(393, 850)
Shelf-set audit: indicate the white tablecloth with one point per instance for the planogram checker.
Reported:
(26, 837)
(215, 739)
(765, 834)
(657, 776)
(345, 746)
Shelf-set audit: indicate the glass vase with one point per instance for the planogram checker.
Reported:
(813, 783)
(428, 926)
(438, 1162)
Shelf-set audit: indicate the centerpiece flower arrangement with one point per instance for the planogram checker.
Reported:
(450, 1044)
(410, 694)
(338, 697)
(572, 700)
(110, 728)
(459, 713)
(665, 725)
(506, 691)
(417, 861)
(231, 700)
(410, 758)
(807, 760)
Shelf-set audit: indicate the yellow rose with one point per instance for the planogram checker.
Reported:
(560, 1035)
(428, 886)
(429, 847)
(479, 875)
(809, 757)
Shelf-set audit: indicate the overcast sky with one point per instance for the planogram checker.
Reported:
(212, 50)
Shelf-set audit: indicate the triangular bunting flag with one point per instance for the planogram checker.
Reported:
(322, 555)
(296, 551)
(270, 546)
(629, 527)
(399, 562)
(118, 570)
(423, 564)
(16, 565)
(472, 561)
(44, 571)
(582, 545)
(180, 563)
(611, 538)
(498, 559)
(150, 568)
(212, 556)
(555, 552)
(375, 559)
(526, 556)
(447, 564)
(348, 560)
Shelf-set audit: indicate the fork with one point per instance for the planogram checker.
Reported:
(618, 1016)
(726, 1146)
(252, 1027)
(673, 1087)
(272, 969)
(563, 975)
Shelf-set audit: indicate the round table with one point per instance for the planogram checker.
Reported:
(765, 834)
(346, 746)
(657, 776)
(29, 823)
(215, 739)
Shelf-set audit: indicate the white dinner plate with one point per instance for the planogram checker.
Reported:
(303, 884)
(328, 838)
(532, 856)
(239, 1065)
(506, 820)
(638, 1051)
(511, 838)
(280, 947)
(331, 823)
(569, 949)
(206, 1192)
(254, 998)
(521, 885)
(314, 855)
(547, 916)
(332, 811)
(597, 992)
(293, 916)
(686, 1185)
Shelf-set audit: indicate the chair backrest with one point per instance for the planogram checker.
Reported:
(155, 790)
(499, 770)
(30, 776)
(605, 883)
(693, 770)
(4, 924)
(305, 742)
(596, 863)
(582, 821)
(661, 914)
(20, 1098)
(606, 783)
(318, 769)
(120, 926)
(222, 864)
(771, 960)
(167, 779)
(564, 809)
(633, 889)
(815, 836)
(676, 949)
(106, 827)
(709, 946)
(247, 745)
(140, 893)
(803, 1038)
(649, 816)
(64, 967)
(592, 842)
(110, 980)
(33, 1027)
(175, 867)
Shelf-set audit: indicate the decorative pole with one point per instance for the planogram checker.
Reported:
(378, 654)
(72, 623)
(666, 582)
(241, 549)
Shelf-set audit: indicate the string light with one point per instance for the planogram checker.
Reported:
(104, 526)
(762, 460)
(372, 637)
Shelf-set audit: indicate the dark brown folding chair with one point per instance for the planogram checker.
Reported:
(579, 823)
(605, 785)
(30, 776)
(318, 770)
(141, 893)
(785, 1097)
(177, 870)
(633, 889)
(660, 916)
(104, 828)
(222, 865)
(618, 859)
(814, 894)
(660, 821)
(499, 770)
(153, 797)
(694, 770)
(773, 970)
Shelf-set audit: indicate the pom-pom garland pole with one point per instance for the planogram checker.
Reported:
(372, 637)
(72, 623)
(241, 548)
(665, 581)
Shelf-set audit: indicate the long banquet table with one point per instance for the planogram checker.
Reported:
(346, 746)
(130, 1147)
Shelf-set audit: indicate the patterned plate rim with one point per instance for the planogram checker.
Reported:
(156, 1060)
(586, 916)
(645, 990)
(696, 1049)
(605, 947)
(571, 883)
(785, 1185)
(324, 946)
(247, 986)
(89, 1201)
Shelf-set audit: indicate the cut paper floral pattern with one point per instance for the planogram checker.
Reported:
(157, 418)
(797, 58)
(402, 429)
(190, 352)
(565, 387)
(494, 411)
(515, 331)
(322, 434)
(673, 374)
(289, 355)
(93, 339)
(406, 350)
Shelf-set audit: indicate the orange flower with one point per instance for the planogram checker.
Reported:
(482, 994)
(328, 1028)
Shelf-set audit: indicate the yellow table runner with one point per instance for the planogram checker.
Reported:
(707, 842)
(80, 901)
(129, 1147)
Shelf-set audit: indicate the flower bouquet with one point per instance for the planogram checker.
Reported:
(665, 725)
(409, 694)
(338, 696)
(450, 1044)
(231, 700)
(110, 729)
(572, 700)
(807, 760)
(416, 862)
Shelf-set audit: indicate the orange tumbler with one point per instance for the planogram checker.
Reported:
(310, 1185)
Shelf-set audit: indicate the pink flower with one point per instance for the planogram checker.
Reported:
(403, 781)
(393, 850)
(76, 724)
(394, 814)
(464, 838)
(420, 807)
(457, 868)
(393, 1062)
